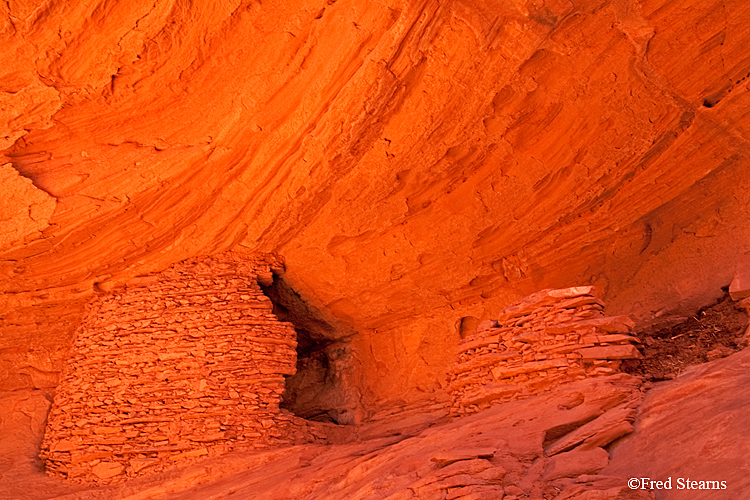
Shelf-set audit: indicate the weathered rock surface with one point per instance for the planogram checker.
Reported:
(498, 453)
(186, 363)
(693, 427)
(24, 209)
(415, 161)
(739, 288)
(546, 339)
(22, 418)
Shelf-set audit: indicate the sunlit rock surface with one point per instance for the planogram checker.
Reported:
(24, 209)
(687, 429)
(415, 162)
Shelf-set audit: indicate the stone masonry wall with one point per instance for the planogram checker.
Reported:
(548, 338)
(186, 363)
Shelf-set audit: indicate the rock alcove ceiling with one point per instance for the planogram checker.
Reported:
(417, 163)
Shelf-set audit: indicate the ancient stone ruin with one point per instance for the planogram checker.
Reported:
(541, 341)
(186, 363)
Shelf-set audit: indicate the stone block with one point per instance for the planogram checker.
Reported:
(739, 288)
(575, 463)
(610, 352)
(106, 470)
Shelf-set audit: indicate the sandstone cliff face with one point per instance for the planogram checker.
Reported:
(415, 161)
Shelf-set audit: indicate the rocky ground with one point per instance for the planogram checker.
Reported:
(693, 427)
(547, 446)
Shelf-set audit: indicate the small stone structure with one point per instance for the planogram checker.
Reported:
(186, 363)
(548, 338)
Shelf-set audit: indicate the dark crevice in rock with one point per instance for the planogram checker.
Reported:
(324, 388)
(554, 433)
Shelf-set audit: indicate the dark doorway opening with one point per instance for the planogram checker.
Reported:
(324, 387)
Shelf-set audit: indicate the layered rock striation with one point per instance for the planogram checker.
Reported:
(548, 338)
(412, 160)
(185, 363)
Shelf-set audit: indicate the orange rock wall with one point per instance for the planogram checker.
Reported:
(415, 161)
(185, 363)
(547, 339)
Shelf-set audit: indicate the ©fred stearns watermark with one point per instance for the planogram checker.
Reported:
(679, 483)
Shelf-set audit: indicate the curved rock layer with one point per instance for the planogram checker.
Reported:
(415, 161)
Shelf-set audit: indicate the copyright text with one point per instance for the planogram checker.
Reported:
(679, 483)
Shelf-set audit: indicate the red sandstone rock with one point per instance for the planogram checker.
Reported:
(739, 288)
(416, 162)
(24, 210)
(576, 463)
(107, 470)
(601, 431)
(610, 352)
(498, 451)
(476, 492)
(543, 340)
(693, 427)
(156, 399)
(427, 162)
(449, 457)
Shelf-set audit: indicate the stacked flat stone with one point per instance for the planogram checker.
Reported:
(185, 363)
(548, 338)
